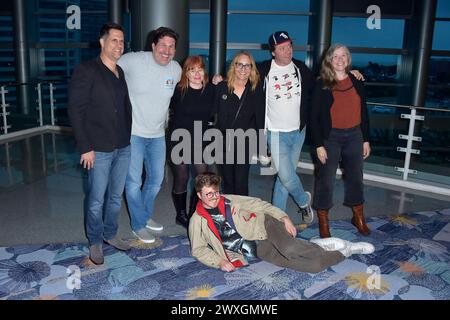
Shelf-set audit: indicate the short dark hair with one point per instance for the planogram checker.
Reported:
(108, 26)
(154, 36)
(207, 179)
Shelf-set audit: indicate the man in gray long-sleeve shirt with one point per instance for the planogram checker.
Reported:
(151, 78)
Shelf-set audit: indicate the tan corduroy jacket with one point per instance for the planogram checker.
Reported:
(248, 216)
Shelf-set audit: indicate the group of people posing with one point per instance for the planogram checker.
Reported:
(119, 108)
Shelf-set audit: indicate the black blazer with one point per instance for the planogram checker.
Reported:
(320, 120)
(92, 108)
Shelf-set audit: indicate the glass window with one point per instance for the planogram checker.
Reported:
(201, 52)
(52, 27)
(6, 34)
(199, 27)
(354, 32)
(7, 65)
(443, 9)
(433, 162)
(258, 55)
(59, 62)
(385, 127)
(438, 90)
(285, 5)
(441, 35)
(261, 55)
(376, 67)
(258, 28)
(6, 55)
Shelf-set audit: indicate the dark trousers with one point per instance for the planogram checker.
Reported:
(235, 179)
(343, 146)
(283, 250)
(235, 170)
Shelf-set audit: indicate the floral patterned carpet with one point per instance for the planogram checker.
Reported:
(411, 261)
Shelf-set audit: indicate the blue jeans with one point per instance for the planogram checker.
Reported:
(106, 181)
(151, 153)
(285, 148)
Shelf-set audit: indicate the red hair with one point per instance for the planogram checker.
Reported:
(190, 63)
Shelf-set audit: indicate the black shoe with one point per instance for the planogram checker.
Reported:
(179, 201)
(182, 219)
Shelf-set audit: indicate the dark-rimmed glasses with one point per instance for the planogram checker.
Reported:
(209, 195)
(240, 66)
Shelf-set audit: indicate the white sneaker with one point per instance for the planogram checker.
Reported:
(361, 248)
(357, 248)
(330, 244)
(145, 236)
(153, 225)
(265, 161)
(262, 159)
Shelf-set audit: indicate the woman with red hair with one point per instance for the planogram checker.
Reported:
(191, 105)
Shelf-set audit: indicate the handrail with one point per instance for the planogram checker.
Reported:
(14, 84)
(407, 106)
(67, 78)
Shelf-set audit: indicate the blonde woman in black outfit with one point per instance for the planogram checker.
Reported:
(191, 103)
(340, 134)
(239, 105)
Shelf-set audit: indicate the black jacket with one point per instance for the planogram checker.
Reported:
(91, 108)
(307, 84)
(226, 106)
(320, 121)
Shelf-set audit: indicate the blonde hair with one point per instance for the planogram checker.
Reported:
(327, 73)
(254, 74)
(189, 64)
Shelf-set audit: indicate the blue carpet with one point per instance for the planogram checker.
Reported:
(411, 261)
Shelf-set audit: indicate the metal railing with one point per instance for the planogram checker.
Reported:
(408, 112)
(412, 116)
(4, 113)
(45, 96)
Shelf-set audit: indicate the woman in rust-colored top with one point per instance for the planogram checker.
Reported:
(339, 127)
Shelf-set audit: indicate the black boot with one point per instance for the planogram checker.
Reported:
(179, 201)
(193, 203)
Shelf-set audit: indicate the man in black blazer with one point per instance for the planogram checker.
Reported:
(100, 112)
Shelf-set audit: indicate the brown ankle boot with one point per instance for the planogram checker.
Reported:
(324, 228)
(358, 220)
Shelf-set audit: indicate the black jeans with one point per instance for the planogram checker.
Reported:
(343, 146)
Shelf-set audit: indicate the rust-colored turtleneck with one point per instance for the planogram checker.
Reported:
(346, 108)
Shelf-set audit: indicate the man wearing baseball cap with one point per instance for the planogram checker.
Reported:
(287, 83)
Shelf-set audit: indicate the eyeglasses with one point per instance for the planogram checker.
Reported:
(240, 66)
(209, 195)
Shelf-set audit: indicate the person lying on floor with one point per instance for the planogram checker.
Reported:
(227, 231)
